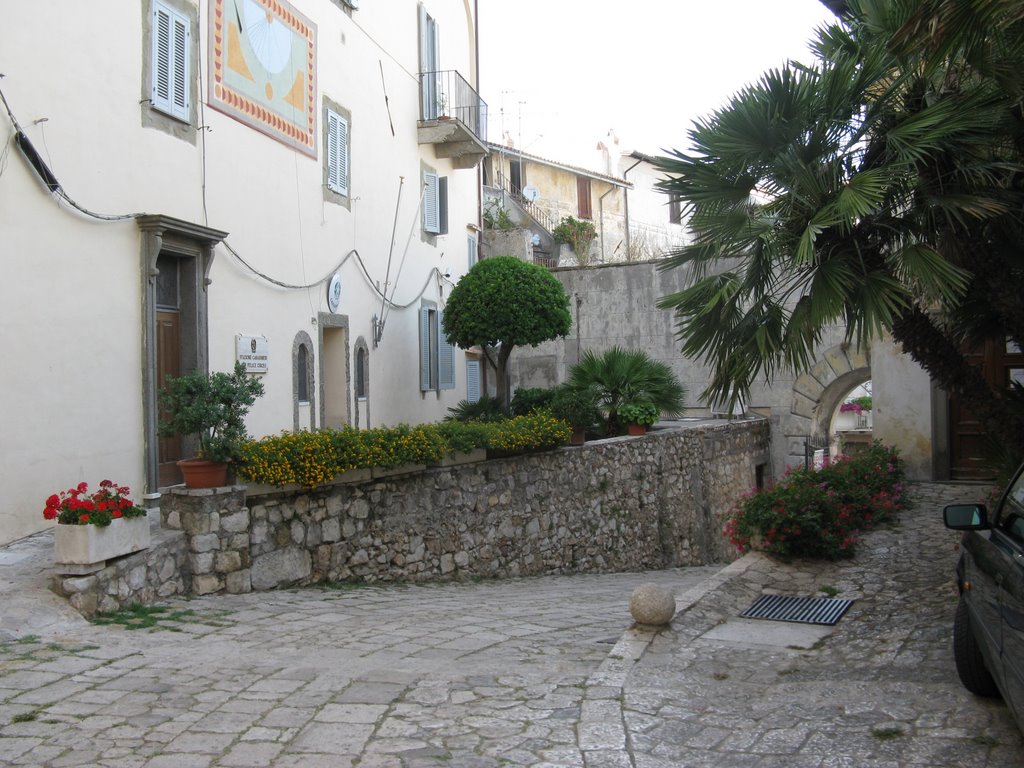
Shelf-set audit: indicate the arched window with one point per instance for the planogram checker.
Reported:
(361, 373)
(361, 384)
(302, 369)
(303, 379)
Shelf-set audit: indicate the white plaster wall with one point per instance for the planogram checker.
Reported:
(617, 305)
(70, 386)
(651, 233)
(902, 406)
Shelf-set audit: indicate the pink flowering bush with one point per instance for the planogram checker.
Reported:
(821, 513)
(76, 506)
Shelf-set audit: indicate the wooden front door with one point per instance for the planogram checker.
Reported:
(1001, 362)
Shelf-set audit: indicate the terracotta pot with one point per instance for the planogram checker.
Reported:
(637, 429)
(579, 437)
(199, 473)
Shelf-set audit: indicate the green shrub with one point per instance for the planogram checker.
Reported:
(620, 376)
(638, 413)
(576, 405)
(526, 400)
(465, 436)
(821, 513)
(311, 459)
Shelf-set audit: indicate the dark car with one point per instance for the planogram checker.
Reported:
(988, 632)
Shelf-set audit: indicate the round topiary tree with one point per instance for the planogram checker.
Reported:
(503, 303)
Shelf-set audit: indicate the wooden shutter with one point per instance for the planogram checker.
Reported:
(472, 380)
(445, 357)
(171, 42)
(431, 218)
(337, 153)
(583, 197)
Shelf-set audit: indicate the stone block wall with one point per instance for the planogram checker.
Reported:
(623, 504)
(612, 505)
(157, 573)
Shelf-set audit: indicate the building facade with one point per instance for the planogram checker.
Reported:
(294, 185)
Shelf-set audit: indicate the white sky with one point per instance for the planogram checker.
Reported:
(567, 71)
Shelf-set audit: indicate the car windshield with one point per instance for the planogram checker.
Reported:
(1011, 518)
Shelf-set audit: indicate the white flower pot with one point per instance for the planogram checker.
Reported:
(86, 548)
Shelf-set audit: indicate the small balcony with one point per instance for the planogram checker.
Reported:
(453, 118)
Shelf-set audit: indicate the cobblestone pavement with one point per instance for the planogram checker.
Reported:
(533, 672)
(881, 690)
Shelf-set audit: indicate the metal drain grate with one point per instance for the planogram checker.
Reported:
(805, 610)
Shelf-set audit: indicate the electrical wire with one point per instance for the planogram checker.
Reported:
(50, 180)
(47, 176)
(434, 273)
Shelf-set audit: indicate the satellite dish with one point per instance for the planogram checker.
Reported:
(531, 193)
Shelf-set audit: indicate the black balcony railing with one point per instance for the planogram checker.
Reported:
(446, 94)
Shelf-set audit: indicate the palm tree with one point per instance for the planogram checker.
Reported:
(620, 376)
(879, 188)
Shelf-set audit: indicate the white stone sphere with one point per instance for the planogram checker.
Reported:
(652, 605)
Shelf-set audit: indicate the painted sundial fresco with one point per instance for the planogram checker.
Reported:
(263, 68)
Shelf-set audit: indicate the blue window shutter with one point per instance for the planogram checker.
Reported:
(431, 219)
(442, 205)
(337, 153)
(424, 349)
(472, 380)
(445, 357)
(171, 43)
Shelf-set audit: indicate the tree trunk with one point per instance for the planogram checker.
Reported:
(501, 376)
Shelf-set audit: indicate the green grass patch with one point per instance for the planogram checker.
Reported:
(137, 616)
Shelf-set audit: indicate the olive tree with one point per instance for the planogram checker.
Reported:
(503, 303)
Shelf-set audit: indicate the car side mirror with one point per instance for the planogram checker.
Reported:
(966, 517)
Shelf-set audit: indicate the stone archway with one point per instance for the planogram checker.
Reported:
(818, 392)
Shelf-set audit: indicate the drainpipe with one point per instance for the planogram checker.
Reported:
(480, 168)
(600, 214)
(625, 203)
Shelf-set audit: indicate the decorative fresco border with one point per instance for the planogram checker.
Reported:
(263, 69)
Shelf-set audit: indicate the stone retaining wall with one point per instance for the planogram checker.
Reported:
(612, 505)
(145, 577)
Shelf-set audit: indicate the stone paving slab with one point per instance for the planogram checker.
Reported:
(538, 672)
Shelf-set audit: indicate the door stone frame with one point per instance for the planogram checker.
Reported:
(193, 243)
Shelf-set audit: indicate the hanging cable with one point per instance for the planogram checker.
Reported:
(49, 179)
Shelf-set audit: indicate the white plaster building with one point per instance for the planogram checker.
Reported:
(245, 157)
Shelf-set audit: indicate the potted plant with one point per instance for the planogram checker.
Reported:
(578, 406)
(211, 407)
(638, 416)
(95, 527)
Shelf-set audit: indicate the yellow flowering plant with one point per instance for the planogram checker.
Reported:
(311, 459)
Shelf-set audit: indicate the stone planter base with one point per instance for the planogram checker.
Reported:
(461, 457)
(403, 469)
(80, 549)
(351, 476)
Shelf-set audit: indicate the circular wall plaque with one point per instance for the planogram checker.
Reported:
(334, 292)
